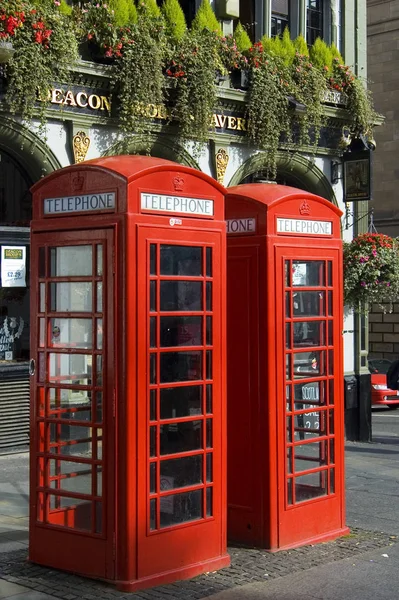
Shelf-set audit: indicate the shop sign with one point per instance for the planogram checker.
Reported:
(13, 266)
(177, 204)
(241, 225)
(304, 226)
(72, 204)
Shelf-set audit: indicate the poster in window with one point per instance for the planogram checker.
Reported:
(13, 266)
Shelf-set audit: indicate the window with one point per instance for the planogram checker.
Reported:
(314, 20)
(15, 215)
(280, 17)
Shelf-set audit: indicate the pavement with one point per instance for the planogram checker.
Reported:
(363, 565)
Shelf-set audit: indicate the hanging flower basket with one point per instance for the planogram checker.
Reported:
(371, 270)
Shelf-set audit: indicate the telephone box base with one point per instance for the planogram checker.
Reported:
(174, 575)
(319, 539)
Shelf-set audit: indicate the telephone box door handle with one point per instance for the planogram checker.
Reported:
(32, 367)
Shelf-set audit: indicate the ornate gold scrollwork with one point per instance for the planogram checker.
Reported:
(222, 159)
(81, 143)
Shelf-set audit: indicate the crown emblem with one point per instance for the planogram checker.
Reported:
(178, 183)
(77, 182)
(304, 209)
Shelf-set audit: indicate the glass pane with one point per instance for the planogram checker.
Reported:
(209, 399)
(153, 513)
(288, 366)
(209, 364)
(332, 481)
(153, 259)
(288, 398)
(99, 474)
(181, 366)
(153, 471)
(181, 260)
(329, 273)
(153, 433)
(181, 472)
(209, 470)
(288, 305)
(70, 297)
(82, 511)
(289, 461)
(330, 333)
(331, 362)
(78, 477)
(289, 492)
(69, 261)
(99, 369)
(331, 424)
(153, 332)
(99, 259)
(70, 368)
(99, 296)
(42, 300)
(209, 436)
(308, 333)
(42, 332)
(71, 440)
(289, 429)
(310, 486)
(309, 273)
(287, 273)
(288, 335)
(181, 295)
(153, 368)
(64, 399)
(209, 295)
(331, 391)
(209, 502)
(330, 304)
(310, 456)
(312, 424)
(71, 333)
(99, 407)
(181, 402)
(310, 304)
(153, 301)
(209, 339)
(209, 262)
(309, 364)
(181, 331)
(181, 437)
(153, 405)
(99, 344)
(181, 508)
(311, 393)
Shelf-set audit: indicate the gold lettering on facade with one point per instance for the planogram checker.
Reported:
(232, 123)
(94, 101)
(241, 124)
(81, 143)
(69, 99)
(222, 159)
(79, 99)
(105, 103)
(57, 96)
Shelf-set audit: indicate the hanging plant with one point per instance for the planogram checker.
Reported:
(45, 49)
(371, 270)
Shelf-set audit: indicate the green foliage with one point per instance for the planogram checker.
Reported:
(175, 21)
(195, 85)
(242, 38)
(336, 54)
(132, 12)
(149, 9)
(45, 49)
(371, 270)
(301, 46)
(121, 11)
(269, 44)
(287, 48)
(65, 9)
(206, 19)
(321, 55)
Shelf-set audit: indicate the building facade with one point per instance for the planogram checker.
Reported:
(80, 127)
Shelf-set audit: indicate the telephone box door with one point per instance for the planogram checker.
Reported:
(72, 390)
(309, 378)
(180, 389)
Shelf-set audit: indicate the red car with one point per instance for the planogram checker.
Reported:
(380, 394)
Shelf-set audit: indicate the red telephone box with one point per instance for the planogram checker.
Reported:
(284, 367)
(128, 469)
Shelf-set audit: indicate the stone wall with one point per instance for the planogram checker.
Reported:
(384, 332)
